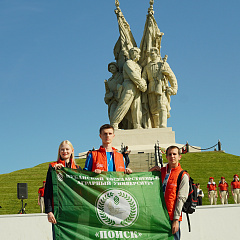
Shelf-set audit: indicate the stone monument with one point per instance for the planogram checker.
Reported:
(139, 92)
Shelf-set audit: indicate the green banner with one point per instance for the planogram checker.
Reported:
(111, 205)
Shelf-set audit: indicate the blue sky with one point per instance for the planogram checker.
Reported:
(53, 62)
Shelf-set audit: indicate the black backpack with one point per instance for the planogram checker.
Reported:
(189, 206)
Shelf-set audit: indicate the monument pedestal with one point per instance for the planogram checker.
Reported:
(144, 140)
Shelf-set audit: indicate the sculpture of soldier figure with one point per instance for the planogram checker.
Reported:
(133, 85)
(158, 74)
(113, 87)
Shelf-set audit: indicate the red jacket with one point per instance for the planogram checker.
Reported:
(41, 191)
(212, 187)
(171, 189)
(64, 163)
(235, 184)
(99, 158)
(223, 186)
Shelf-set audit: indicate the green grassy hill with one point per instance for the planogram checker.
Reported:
(34, 177)
(199, 165)
(203, 165)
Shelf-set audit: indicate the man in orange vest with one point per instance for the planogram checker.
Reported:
(106, 158)
(223, 191)
(174, 200)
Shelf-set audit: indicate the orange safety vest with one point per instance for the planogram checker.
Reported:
(99, 158)
(73, 166)
(171, 189)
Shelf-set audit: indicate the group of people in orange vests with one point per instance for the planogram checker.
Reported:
(108, 159)
(223, 190)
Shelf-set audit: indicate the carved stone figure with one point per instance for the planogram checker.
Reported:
(133, 85)
(113, 87)
(158, 74)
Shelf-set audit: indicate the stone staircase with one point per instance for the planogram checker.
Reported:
(141, 162)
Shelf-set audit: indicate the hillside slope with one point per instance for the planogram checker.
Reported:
(201, 166)
(33, 177)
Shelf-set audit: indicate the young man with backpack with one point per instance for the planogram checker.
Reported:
(175, 196)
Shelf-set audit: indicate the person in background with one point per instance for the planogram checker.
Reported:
(106, 158)
(184, 149)
(223, 191)
(89, 151)
(41, 197)
(212, 191)
(235, 188)
(200, 194)
(65, 159)
(126, 155)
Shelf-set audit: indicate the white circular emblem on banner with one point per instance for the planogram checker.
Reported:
(117, 208)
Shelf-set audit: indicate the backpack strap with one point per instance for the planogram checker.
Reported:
(178, 184)
(179, 179)
(188, 220)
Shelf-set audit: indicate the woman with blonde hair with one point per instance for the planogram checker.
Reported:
(65, 159)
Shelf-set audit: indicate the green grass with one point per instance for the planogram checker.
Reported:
(203, 165)
(33, 177)
(200, 166)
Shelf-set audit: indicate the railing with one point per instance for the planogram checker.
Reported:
(204, 149)
(158, 155)
(184, 149)
(151, 160)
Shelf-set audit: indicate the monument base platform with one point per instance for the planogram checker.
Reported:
(144, 140)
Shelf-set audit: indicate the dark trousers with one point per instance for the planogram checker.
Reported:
(199, 201)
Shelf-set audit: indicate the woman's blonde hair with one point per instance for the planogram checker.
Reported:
(70, 144)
